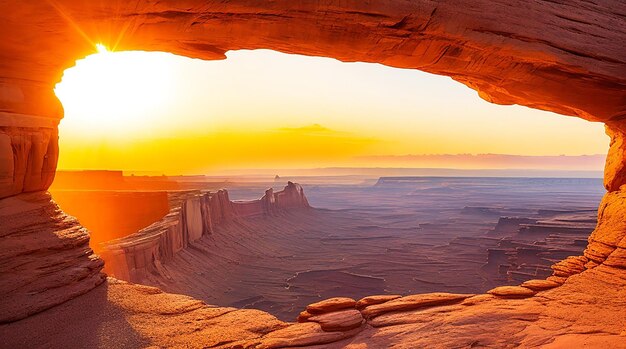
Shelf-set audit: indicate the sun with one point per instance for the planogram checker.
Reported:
(101, 48)
(116, 93)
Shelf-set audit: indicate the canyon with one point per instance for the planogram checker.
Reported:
(466, 235)
(139, 255)
(562, 56)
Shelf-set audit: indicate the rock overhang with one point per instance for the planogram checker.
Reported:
(562, 56)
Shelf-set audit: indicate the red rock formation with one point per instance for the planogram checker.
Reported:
(563, 56)
(129, 258)
(330, 305)
(45, 257)
(291, 196)
(28, 153)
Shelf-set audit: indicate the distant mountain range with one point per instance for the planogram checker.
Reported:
(442, 165)
(490, 161)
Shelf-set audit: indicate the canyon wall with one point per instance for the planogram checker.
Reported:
(29, 151)
(111, 215)
(129, 258)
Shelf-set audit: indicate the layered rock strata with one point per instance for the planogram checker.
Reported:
(530, 247)
(129, 258)
(29, 152)
(45, 257)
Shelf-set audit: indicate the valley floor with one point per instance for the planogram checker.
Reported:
(431, 235)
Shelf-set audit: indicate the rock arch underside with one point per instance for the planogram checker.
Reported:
(566, 56)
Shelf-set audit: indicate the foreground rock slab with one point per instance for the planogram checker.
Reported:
(372, 300)
(413, 302)
(512, 292)
(117, 314)
(587, 310)
(330, 304)
(539, 285)
(302, 334)
(342, 320)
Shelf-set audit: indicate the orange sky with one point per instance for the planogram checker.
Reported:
(140, 111)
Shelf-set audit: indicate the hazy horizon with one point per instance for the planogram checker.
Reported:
(565, 164)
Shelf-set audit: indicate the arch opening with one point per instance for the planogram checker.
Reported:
(340, 130)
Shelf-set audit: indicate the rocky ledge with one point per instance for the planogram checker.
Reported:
(587, 310)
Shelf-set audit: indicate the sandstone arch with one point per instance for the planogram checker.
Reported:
(563, 56)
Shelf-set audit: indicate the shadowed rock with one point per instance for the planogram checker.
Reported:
(45, 257)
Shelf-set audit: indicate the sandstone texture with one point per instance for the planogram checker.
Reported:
(28, 153)
(372, 300)
(413, 302)
(512, 292)
(331, 305)
(300, 335)
(45, 257)
(342, 320)
(539, 285)
(138, 316)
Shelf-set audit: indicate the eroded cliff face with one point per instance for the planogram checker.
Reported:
(28, 155)
(131, 257)
(607, 243)
(45, 257)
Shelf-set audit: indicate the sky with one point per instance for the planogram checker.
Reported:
(152, 111)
